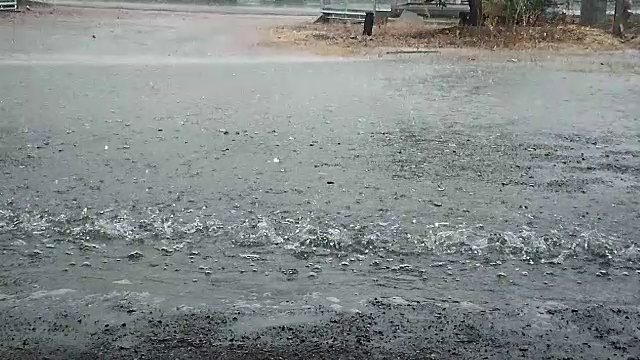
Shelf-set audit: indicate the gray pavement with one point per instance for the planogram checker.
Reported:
(173, 190)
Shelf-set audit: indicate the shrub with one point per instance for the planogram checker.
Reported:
(516, 12)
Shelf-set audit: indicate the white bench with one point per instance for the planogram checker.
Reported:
(8, 4)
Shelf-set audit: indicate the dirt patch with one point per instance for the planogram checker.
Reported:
(346, 38)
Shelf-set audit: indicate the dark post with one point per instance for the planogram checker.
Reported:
(368, 24)
(464, 18)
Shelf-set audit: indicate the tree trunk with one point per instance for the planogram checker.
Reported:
(619, 21)
(593, 12)
(475, 12)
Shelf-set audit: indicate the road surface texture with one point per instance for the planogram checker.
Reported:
(171, 190)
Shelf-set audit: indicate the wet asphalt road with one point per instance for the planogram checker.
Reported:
(171, 190)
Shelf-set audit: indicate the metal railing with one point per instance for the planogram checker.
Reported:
(355, 10)
(356, 5)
